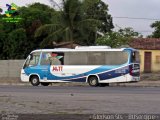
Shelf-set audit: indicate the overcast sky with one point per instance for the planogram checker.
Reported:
(119, 8)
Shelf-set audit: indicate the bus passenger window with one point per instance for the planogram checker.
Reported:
(57, 58)
(116, 57)
(51, 58)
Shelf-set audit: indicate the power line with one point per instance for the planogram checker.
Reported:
(137, 18)
(139, 31)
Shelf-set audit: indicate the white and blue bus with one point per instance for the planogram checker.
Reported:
(96, 65)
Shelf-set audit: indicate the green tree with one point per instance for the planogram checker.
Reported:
(117, 39)
(33, 16)
(129, 33)
(68, 25)
(2, 38)
(156, 33)
(95, 9)
(34, 12)
(77, 21)
(15, 47)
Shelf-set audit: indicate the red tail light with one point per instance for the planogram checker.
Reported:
(130, 70)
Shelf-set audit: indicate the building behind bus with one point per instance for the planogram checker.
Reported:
(149, 49)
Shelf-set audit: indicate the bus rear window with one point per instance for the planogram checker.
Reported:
(135, 57)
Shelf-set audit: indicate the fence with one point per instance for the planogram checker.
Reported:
(10, 70)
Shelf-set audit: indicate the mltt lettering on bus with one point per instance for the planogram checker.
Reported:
(57, 68)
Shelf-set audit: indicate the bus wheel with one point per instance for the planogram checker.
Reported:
(45, 83)
(35, 81)
(93, 81)
(103, 84)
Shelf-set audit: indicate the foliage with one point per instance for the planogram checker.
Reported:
(77, 21)
(17, 39)
(63, 26)
(97, 9)
(16, 44)
(156, 33)
(73, 23)
(117, 39)
(129, 33)
(2, 37)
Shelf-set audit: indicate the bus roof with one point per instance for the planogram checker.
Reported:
(79, 50)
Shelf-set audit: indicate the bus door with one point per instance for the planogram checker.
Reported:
(44, 65)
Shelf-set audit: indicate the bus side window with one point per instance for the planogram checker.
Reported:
(55, 61)
(116, 57)
(96, 58)
(44, 59)
(75, 58)
(57, 58)
(51, 58)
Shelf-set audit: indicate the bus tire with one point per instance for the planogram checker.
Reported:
(44, 83)
(93, 81)
(34, 80)
(103, 84)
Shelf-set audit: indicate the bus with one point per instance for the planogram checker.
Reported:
(96, 65)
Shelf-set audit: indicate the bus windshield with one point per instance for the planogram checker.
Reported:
(32, 60)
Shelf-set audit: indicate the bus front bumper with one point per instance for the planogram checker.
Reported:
(24, 77)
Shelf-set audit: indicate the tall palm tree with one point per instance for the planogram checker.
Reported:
(67, 23)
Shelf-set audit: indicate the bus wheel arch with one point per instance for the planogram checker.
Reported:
(34, 80)
(93, 80)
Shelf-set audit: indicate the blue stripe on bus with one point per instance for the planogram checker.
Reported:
(94, 71)
(83, 79)
(104, 73)
(112, 74)
(103, 76)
